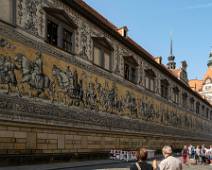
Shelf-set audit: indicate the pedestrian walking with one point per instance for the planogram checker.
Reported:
(141, 163)
(170, 162)
(185, 155)
(198, 155)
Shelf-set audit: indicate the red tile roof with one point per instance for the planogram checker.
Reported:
(195, 84)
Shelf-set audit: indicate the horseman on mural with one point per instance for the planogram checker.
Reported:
(32, 74)
(68, 83)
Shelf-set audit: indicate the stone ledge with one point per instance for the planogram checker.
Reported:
(16, 109)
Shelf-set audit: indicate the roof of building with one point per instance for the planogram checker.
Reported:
(175, 72)
(196, 84)
(92, 15)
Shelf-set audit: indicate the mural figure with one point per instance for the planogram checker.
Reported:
(32, 74)
(69, 85)
(37, 67)
(70, 79)
(62, 81)
(90, 96)
(111, 98)
(7, 73)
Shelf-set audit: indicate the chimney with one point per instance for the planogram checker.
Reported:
(158, 59)
(123, 31)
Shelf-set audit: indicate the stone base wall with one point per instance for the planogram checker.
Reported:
(23, 138)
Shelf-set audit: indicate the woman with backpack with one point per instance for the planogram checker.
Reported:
(141, 163)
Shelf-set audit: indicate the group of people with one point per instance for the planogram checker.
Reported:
(197, 155)
(168, 163)
(190, 154)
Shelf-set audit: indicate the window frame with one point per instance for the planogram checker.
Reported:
(12, 20)
(60, 33)
(176, 95)
(192, 104)
(150, 80)
(131, 74)
(184, 99)
(198, 108)
(164, 88)
(103, 50)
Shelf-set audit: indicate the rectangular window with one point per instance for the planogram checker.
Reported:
(7, 12)
(126, 71)
(107, 60)
(184, 99)
(191, 104)
(197, 108)
(101, 57)
(133, 74)
(129, 72)
(164, 88)
(67, 40)
(207, 113)
(97, 56)
(52, 33)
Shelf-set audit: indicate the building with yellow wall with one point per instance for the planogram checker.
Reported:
(72, 82)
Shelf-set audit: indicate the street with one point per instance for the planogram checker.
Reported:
(93, 165)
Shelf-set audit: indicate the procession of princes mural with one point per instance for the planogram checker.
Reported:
(25, 76)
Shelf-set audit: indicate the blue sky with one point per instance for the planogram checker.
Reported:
(150, 23)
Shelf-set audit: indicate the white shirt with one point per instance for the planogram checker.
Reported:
(170, 163)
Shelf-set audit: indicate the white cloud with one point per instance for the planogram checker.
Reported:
(199, 6)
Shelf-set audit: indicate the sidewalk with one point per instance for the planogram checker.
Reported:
(56, 166)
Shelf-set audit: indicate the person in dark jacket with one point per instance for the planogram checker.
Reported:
(141, 163)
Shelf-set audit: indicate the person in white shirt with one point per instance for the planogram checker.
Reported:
(170, 162)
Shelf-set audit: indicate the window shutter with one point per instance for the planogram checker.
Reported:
(107, 61)
(97, 56)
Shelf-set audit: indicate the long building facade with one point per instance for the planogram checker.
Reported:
(72, 82)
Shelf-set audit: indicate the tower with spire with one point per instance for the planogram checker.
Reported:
(210, 60)
(171, 63)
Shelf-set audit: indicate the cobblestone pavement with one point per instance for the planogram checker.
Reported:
(190, 167)
(92, 165)
(198, 167)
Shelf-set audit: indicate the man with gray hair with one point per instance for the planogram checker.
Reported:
(170, 162)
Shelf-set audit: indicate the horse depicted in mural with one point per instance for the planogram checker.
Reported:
(68, 85)
(7, 73)
(32, 74)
